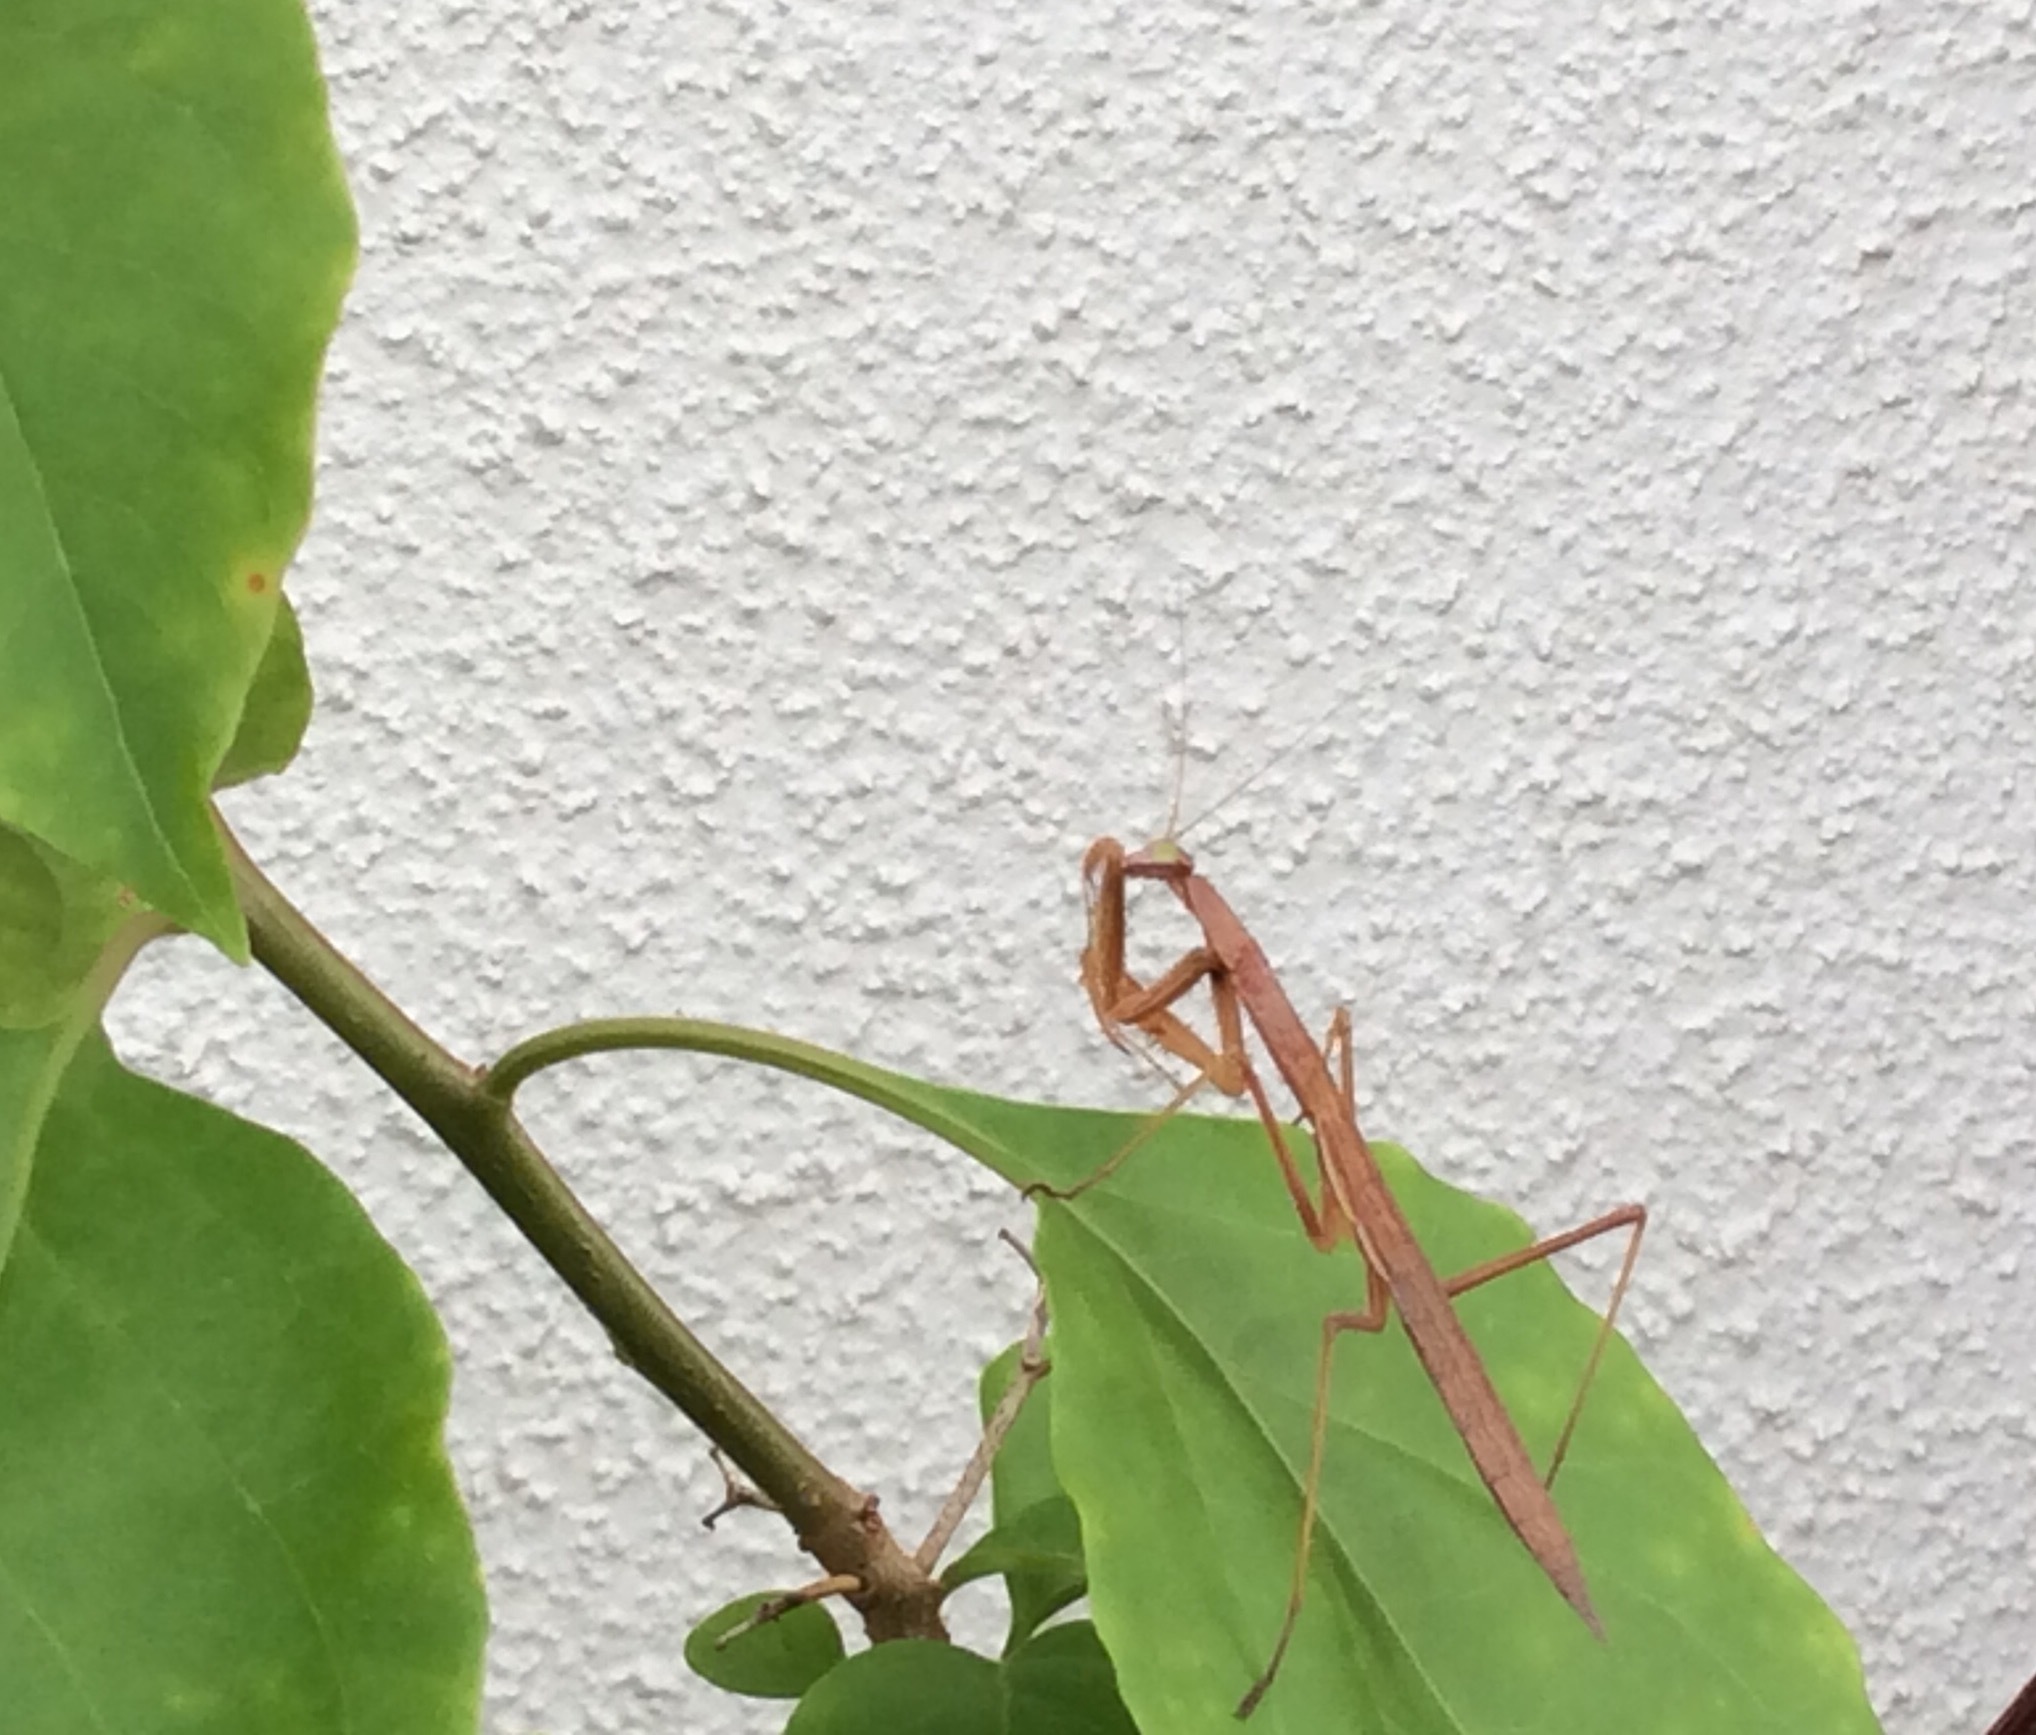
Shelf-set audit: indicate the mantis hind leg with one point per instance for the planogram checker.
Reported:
(1336, 1047)
(1628, 1217)
(1373, 1318)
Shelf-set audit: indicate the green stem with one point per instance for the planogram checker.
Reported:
(697, 1035)
(834, 1520)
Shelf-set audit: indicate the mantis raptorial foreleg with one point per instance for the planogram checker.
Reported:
(1121, 1000)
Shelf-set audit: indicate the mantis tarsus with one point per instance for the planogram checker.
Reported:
(1355, 1203)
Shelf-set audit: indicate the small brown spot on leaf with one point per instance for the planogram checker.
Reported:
(257, 582)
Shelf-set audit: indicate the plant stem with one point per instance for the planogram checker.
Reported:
(695, 1035)
(835, 1521)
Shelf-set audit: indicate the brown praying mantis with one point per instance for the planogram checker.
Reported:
(1355, 1203)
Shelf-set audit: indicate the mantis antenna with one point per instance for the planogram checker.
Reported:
(1292, 744)
(1177, 719)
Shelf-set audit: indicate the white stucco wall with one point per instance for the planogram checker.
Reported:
(765, 460)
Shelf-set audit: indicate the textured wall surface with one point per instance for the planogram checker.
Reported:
(769, 461)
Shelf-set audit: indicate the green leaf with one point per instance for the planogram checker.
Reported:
(175, 241)
(1038, 1551)
(225, 1505)
(31, 1064)
(55, 919)
(32, 967)
(1187, 1308)
(779, 1660)
(32, 1060)
(1035, 1539)
(1047, 1534)
(1022, 1473)
(908, 1687)
(1059, 1684)
(278, 707)
(1062, 1683)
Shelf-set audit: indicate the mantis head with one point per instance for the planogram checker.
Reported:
(1108, 864)
(1161, 859)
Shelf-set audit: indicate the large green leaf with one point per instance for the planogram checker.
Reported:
(224, 1504)
(1187, 1308)
(174, 241)
(1423, 1612)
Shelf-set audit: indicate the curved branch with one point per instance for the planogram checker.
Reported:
(696, 1036)
(471, 1113)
